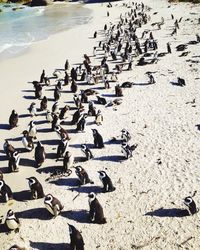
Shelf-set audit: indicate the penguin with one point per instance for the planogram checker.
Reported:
(76, 239)
(49, 116)
(8, 148)
(43, 103)
(12, 222)
(68, 161)
(107, 183)
(13, 162)
(55, 108)
(87, 152)
(98, 140)
(181, 82)
(66, 65)
(151, 79)
(27, 141)
(83, 176)
(36, 188)
(95, 34)
(81, 123)
(13, 119)
(74, 86)
(127, 150)
(61, 132)
(57, 94)
(66, 79)
(38, 89)
(62, 147)
(76, 116)
(189, 202)
(32, 132)
(42, 76)
(39, 154)
(99, 118)
(5, 191)
(55, 122)
(53, 205)
(96, 214)
(63, 112)
(118, 91)
(32, 109)
(91, 109)
(77, 100)
(125, 135)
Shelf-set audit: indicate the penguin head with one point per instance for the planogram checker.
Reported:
(124, 144)
(124, 131)
(83, 146)
(78, 168)
(188, 200)
(25, 133)
(13, 112)
(15, 247)
(91, 196)
(57, 128)
(102, 174)
(99, 112)
(32, 181)
(10, 213)
(94, 131)
(48, 198)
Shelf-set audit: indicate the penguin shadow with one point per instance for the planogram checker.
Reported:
(87, 189)
(176, 84)
(3, 158)
(41, 122)
(114, 158)
(168, 212)
(4, 170)
(22, 195)
(35, 213)
(142, 84)
(24, 115)
(70, 182)
(79, 159)
(4, 229)
(109, 95)
(50, 142)
(44, 130)
(51, 156)
(28, 90)
(49, 246)
(27, 162)
(48, 170)
(113, 141)
(80, 216)
(4, 126)
(29, 97)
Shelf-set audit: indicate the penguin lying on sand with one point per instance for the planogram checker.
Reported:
(5, 191)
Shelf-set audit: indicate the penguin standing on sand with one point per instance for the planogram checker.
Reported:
(96, 214)
(87, 152)
(5, 191)
(107, 183)
(32, 109)
(42, 77)
(12, 222)
(98, 140)
(55, 122)
(43, 103)
(36, 188)
(118, 91)
(99, 118)
(62, 148)
(49, 116)
(76, 239)
(8, 148)
(127, 150)
(32, 132)
(53, 205)
(83, 176)
(13, 119)
(39, 154)
(81, 123)
(55, 108)
(27, 141)
(57, 94)
(61, 132)
(38, 89)
(63, 112)
(13, 162)
(68, 161)
(125, 136)
(189, 202)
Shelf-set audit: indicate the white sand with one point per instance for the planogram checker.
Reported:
(158, 119)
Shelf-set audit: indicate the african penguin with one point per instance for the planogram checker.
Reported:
(189, 202)
(32, 109)
(53, 205)
(82, 175)
(12, 222)
(76, 239)
(39, 154)
(107, 183)
(81, 123)
(62, 147)
(13, 119)
(98, 140)
(61, 132)
(127, 150)
(125, 135)
(8, 148)
(16, 247)
(49, 116)
(68, 161)
(27, 141)
(13, 162)
(43, 103)
(36, 188)
(96, 214)
(87, 152)
(5, 191)
(32, 131)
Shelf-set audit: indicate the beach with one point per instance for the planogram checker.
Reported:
(162, 119)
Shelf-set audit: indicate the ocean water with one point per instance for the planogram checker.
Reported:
(20, 28)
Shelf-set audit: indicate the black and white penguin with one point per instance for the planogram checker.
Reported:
(74, 86)
(38, 89)
(189, 202)
(32, 131)
(87, 152)
(82, 175)
(36, 188)
(118, 91)
(91, 109)
(76, 239)
(57, 94)
(53, 205)
(39, 154)
(101, 100)
(13, 162)
(63, 112)
(96, 214)
(68, 161)
(13, 119)
(98, 140)
(27, 141)
(5, 191)
(12, 222)
(81, 123)
(42, 76)
(55, 108)
(107, 183)
(8, 148)
(99, 118)
(49, 116)
(32, 109)
(56, 122)
(61, 132)
(43, 103)
(62, 148)
(127, 150)
(66, 65)
(125, 136)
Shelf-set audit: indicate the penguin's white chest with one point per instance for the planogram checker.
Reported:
(25, 142)
(12, 224)
(33, 132)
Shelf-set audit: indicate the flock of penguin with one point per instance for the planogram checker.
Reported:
(121, 44)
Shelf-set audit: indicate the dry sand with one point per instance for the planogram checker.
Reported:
(159, 120)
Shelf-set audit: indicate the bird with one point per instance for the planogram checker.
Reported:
(13, 119)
